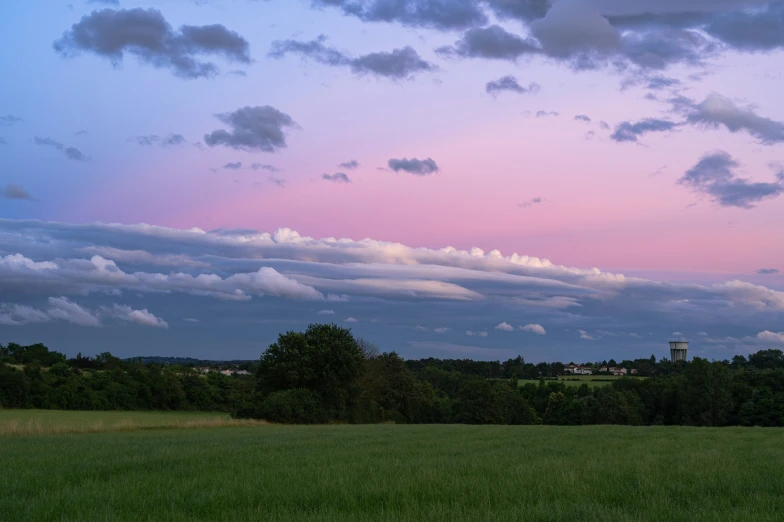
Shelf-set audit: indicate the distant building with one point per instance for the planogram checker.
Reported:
(679, 350)
(577, 369)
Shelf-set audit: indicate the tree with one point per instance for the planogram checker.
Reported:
(706, 399)
(325, 359)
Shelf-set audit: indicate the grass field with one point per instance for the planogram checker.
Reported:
(387, 472)
(41, 422)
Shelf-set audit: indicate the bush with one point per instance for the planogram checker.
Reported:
(297, 406)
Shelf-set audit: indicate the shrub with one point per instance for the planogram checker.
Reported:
(297, 406)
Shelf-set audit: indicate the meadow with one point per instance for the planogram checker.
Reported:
(593, 381)
(43, 422)
(395, 472)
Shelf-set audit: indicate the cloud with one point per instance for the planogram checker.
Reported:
(582, 117)
(259, 166)
(714, 176)
(716, 111)
(14, 191)
(476, 334)
(145, 33)
(252, 129)
(492, 42)
(350, 320)
(61, 308)
(573, 27)
(441, 330)
(141, 317)
(768, 271)
(396, 64)
(349, 165)
(534, 328)
(326, 312)
(659, 48)
(531, 202)
(233, 165)
(545, 114)
(509, 83)
(338, 177)
(769, 336)
(171, 140)
(755, 30)
(434, 14)
(9, 119)
(250, 272)
(505, 327)
(628, 131)
(584, 335)
(70, 152)
(414, 166)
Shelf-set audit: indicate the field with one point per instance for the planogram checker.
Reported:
(40, 422)
(388, 472)
(577, 380)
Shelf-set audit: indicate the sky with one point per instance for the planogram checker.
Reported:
(570, 180)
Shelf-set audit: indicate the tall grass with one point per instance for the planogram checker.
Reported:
(50, 422)
(388, 472)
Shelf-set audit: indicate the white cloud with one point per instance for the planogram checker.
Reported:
(768, 336)
(350, 320)
(142, 317)
(420, 328)
(584, 335)
(538, 329)
(66, 310)
(677, 334)
(441, 330)
(326, 312)
(506, 327)
(476, 334)
(702, 334)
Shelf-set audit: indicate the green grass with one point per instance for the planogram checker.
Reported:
(387, 472)
(592, 381)
(42, 422)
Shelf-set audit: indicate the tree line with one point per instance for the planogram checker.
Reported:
(326, 375)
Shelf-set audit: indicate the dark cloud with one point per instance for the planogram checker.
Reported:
(233, 166)
(628, 131)
(252, 129)
(714, 176)
(152, 139)
(757, 30)
(492, 42)
(531, 202)
(582, 117)
(509, 83)
(604, 125)
(71, 153)
(350, 165)
(398, 63)
(661, 82)
(660, 48)
(525, 10)
(545, 114)
(575, 29)
(9, 119)
(81, 133)
(435, 14)
(14, 191)
(717, 111)
(259, 166)
(414, 166)
(338, 177)
(768, 271)
(145, 34)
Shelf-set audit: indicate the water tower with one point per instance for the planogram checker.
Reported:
(678, 350)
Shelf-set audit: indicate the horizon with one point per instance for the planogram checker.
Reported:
(477, 179)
